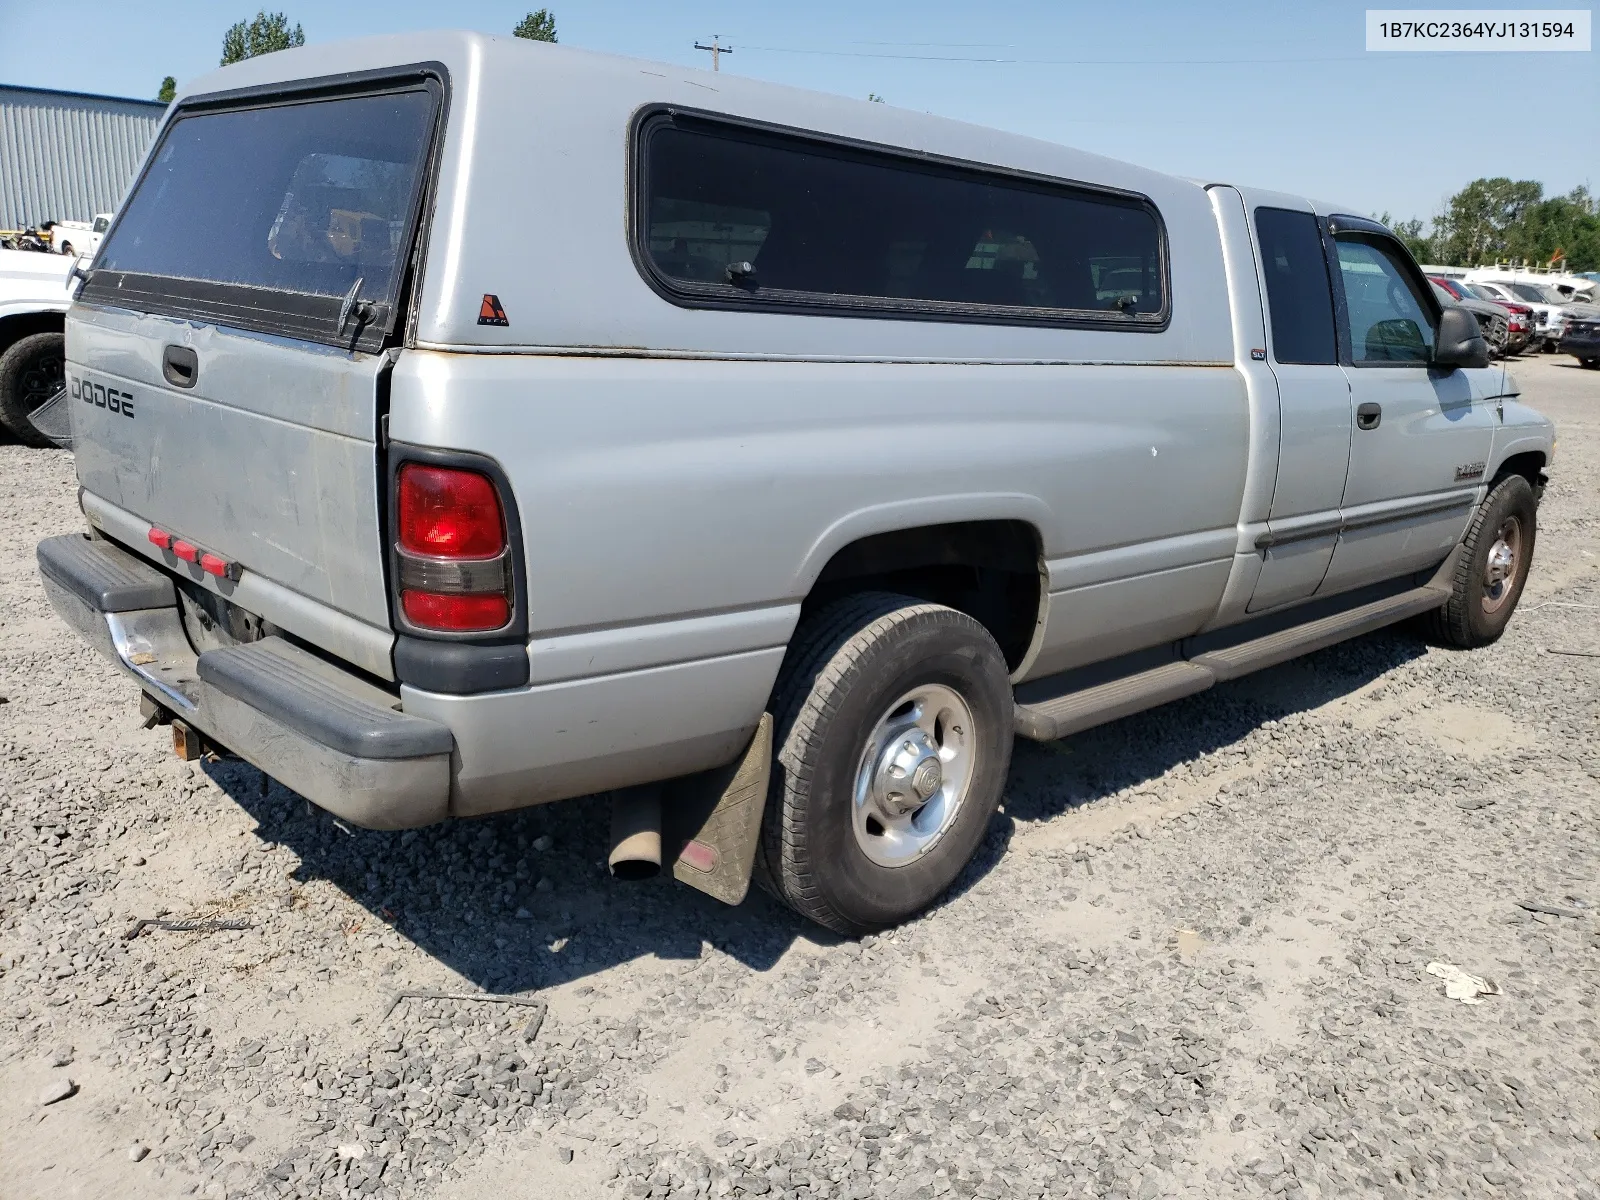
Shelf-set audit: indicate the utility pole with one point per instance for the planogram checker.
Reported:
(717, 50)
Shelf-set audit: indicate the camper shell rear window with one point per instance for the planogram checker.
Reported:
(292, 213)
(733, 214)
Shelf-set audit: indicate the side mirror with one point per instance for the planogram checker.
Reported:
(1460, 343)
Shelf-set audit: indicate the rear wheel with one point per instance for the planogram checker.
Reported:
(1492, 569)
(32, 370)
(1592, 363)
(893, 727)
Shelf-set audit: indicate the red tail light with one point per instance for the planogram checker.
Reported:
(451, 513)
(440, 610)
(453, 562)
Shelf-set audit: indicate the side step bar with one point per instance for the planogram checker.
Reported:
(1076, 709)
(1274, 648)
(1072, 712)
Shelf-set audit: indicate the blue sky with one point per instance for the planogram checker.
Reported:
(1278, 95)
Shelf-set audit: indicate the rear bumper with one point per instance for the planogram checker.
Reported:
(1585, 346)
(334, 738)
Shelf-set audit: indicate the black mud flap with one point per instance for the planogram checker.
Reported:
(716, 820)
(53, 420)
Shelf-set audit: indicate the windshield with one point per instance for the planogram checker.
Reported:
(1478, 292)
(311, 199)
(1528, 291)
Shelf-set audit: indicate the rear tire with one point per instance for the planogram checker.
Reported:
(1491, 571)
(893, 725)
(31, 371)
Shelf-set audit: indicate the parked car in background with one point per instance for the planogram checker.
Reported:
(1580, 337)
(1492, 319)
(1580, 289)
(80, 238)
(1521, 318)
(34, 298)
(1518, 317)
(1547, 308)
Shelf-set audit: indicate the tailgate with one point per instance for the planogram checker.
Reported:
(269, 460)
(227, 352)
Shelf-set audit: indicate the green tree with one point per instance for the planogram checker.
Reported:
(537, 26)
(169, 89)
(1494, 220)
(1410, 232)
(266, 33)
(1565, 226)
(1476, 225)
(875, 98)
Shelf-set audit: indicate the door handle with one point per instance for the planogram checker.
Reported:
(180, 365)
(1369, 415)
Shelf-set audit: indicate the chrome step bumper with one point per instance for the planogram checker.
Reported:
(331, 736)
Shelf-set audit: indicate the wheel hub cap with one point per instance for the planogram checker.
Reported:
(1501, 565)
(914, 774)
(908, 773)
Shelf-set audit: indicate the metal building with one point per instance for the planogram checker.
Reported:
(65, 156)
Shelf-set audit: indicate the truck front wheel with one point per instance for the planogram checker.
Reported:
(893, 728)
(1492, 568)
(31, 371)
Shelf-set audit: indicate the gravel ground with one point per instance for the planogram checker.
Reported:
(1192, 959)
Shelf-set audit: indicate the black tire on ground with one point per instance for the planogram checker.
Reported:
(1482, 600)
(66, 248)
(1592, 364)
(847, 667)
(31, 371)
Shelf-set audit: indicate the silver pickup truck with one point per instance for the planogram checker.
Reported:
(465, 423)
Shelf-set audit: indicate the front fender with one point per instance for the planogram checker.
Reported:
(1522, 430)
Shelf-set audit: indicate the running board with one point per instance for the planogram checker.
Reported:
(1072, 711)
(1230, 662)
(1047, 720)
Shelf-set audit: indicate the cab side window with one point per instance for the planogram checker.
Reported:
(1299, 296)
(1386, 318)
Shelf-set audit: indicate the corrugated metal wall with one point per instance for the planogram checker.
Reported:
(65, 157)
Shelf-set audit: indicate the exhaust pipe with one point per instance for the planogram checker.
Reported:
(636, 832)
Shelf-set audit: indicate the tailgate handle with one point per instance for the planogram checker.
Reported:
(180, 365)
(1369, 415)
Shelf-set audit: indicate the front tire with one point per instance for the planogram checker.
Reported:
(32, 370)
(893, 722)
(1492, 569)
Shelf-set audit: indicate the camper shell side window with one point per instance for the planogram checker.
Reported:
(733, 214)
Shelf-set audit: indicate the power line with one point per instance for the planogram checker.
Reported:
(1060, 62)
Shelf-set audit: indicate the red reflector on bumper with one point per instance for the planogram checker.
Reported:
(437, 610)
(212, 565)
(186, 552)
(160, 537)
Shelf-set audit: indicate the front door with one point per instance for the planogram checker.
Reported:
(1422, 434)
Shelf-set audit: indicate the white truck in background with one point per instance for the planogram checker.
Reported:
(34, 296)
(79, 238)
